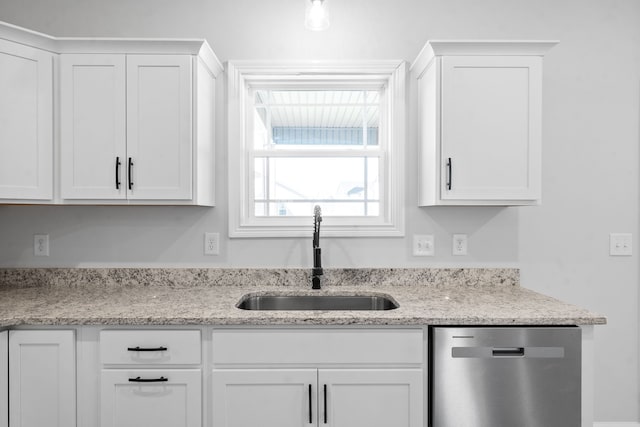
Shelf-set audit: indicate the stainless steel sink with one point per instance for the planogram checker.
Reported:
(317, 302)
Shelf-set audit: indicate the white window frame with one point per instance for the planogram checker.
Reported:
(243, 76)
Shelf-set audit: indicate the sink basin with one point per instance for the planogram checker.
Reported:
(317, 302)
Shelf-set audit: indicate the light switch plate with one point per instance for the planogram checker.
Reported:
(620, 244)
(423, 245)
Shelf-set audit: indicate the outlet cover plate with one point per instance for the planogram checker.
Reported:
(212, 243)
(41, 244)
(460, 244)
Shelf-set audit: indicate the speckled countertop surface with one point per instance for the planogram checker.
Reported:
(135, 296)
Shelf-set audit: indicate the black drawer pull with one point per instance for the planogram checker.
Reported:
(130, 172)
(449, 175)
(118, 173)
(148, 380)
(310, 406)
(146, 349)
(325, 403)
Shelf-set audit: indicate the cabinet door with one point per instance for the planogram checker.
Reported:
(370, 398)
(26, 122)
(93, 132)
(491, 114)
(265, 398)
(42, 379)
(159, 129)
(4, 379)
(158, 398)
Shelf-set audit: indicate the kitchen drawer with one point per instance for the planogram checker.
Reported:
(330, 346)
(150, 347)
(151, 397)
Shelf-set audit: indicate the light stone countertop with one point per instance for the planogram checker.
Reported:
(209, 297)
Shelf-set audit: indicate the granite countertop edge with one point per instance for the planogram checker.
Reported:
(206, 297)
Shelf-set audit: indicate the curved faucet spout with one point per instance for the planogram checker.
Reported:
(317, 252)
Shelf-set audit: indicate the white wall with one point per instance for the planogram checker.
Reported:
(590, 164)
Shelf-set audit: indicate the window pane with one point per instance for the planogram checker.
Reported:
(316, 178)
(373, 209)
(318, 136)
(261, 132)
(293, 185)
(260, 179)
(260, 209)
(373, 178)
(316, 118)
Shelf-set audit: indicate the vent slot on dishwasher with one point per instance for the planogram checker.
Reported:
(505, 377)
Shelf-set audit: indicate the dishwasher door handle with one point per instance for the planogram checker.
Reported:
(507, 352)
(486, 352)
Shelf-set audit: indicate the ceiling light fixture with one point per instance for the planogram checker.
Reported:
(316, 16)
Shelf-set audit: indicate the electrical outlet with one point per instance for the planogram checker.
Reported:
(620, 244)
(423, 245)
(41, 244)
(212, 243)
(460, 244)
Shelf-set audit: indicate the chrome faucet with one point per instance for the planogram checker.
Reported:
(317, 260)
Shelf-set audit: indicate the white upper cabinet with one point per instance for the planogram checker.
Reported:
(93, 126)
(136, 120)
(127, 128)
(26, 123)
(131, 131)
(159, 130)
(480, 108)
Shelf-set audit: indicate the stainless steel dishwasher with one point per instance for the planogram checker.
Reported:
(505, 377)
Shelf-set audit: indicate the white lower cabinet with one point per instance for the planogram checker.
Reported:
(4, 378)
(150, 377)
(151, 397)
(329, 397)
(264, 397)
(42, 378)
(287, 377)
(333, 377)
(370, 397)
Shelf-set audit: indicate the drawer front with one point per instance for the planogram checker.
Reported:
(151, 397)
(292, 346)
(150, 347)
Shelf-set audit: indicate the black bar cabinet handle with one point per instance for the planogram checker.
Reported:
(148, 380)
(310, 406)
(449, 175)
(118, 173)
(325, 403)
(129, 173)
(146, 349)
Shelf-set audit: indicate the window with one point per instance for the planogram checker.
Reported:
(302, 135)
